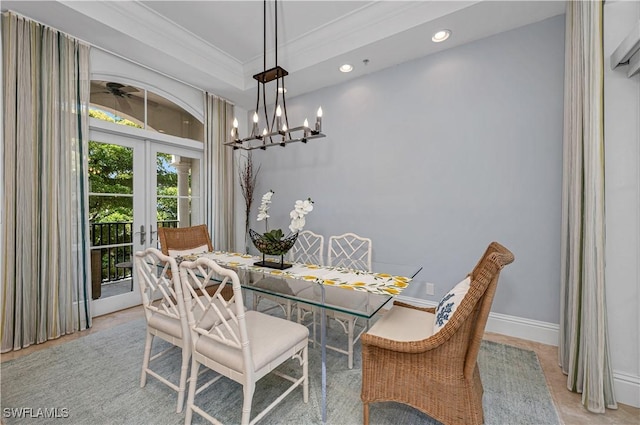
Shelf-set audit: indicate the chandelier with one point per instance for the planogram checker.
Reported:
(276, 131)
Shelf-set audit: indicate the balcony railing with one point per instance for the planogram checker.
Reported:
(112, 244)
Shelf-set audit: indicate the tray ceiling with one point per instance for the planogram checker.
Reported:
(217, 45)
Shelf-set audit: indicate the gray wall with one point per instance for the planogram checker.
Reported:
(435, 158)
(622, 204)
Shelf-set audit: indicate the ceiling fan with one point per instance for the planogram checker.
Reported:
(120, 96)
(120, 92)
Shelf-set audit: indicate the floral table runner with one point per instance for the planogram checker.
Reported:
(377, 283)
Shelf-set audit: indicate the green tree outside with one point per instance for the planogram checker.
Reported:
(111, 170)
(111, 173)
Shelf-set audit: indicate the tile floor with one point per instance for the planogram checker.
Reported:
(568, 404)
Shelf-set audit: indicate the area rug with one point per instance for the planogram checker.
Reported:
(96, 380)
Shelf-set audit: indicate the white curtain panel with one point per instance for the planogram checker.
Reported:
(218, 165)
(584, 347)
(45, 272)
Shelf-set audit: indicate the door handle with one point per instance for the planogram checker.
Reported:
(151, 232)
(142, 234)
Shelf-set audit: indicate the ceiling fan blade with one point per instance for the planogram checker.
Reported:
(128, 89)
(124, 106)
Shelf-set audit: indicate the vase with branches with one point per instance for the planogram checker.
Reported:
(248, 176)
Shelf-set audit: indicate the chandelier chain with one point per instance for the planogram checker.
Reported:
(276, 126)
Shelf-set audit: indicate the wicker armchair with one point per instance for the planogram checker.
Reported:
(188, 240)
(437, 375)
(183, 240)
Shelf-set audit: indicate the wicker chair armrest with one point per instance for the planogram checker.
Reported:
(431, 343)
(406, 346)
(426, 309)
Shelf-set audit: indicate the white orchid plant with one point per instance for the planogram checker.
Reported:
(300, 210)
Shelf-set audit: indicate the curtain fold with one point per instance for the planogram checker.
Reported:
(584, 347)
(45, 272)
(218, 165)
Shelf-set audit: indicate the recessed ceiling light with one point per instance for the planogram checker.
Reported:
(282, 90)
(441, 35)
(346, 68)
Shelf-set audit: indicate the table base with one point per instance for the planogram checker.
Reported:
(273, 265)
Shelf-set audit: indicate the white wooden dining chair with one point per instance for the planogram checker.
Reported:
(350, 251)
(241, 345)
(353, 252)
(308, 249)
(157, 275)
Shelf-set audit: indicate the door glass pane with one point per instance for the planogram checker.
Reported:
(178, 190)
(110, 218)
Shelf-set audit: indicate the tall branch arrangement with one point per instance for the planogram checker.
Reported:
(248, 177)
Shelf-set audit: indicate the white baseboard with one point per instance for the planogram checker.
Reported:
(532, 330)
(626, 386)
(518, 327)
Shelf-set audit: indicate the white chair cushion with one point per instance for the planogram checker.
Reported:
(404, 324)
(449, 303)
(166, 324)
(270, 337)
(196, 250)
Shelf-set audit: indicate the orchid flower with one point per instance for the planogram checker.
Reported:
(301, 208)
(304, 207)
(297, 224)
(297, 215)
(264, 206)
(266, 198)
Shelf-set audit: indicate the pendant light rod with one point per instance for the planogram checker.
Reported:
(274, 126)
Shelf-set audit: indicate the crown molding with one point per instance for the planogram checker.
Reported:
(142, 23)
(368, 24)
(365, 25)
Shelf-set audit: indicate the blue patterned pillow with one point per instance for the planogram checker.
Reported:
(450, 303)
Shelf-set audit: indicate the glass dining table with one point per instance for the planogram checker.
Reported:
(352, 292)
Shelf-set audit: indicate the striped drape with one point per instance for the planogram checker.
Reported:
(218, 165)
(584, 347)
(45, 268)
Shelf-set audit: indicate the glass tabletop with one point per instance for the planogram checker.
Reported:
(387, 279)
(358, 303)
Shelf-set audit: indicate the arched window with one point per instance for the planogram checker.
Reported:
(137, 107)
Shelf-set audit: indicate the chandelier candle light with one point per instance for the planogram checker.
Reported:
(274, 126)
(274, 242)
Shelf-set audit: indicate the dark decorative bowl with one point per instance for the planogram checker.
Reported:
(268, 247)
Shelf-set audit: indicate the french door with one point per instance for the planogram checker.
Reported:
(135, 186)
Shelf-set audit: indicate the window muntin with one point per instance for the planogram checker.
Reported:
(125, 104)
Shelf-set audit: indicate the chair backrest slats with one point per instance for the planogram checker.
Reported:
(308, 249)
(350, 251)
(212, 316)
(160, 288)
